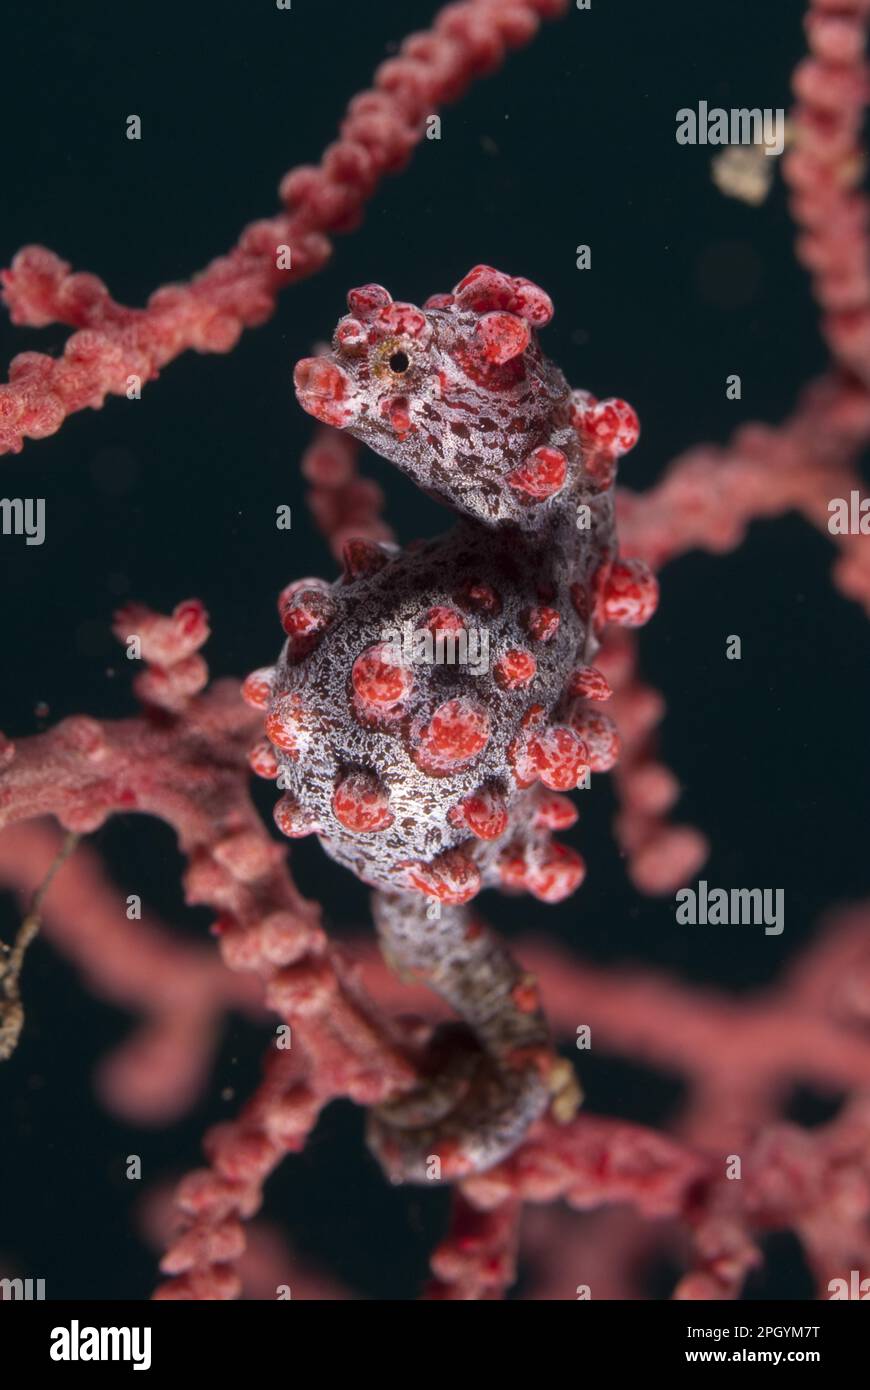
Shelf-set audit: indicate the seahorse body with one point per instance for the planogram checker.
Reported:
(431, 779)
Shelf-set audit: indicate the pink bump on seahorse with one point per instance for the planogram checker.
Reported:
(432, 778)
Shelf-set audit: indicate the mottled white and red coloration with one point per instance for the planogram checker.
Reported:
(460, 397)
(432, 779)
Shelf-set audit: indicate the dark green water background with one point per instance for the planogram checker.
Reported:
(175, 495)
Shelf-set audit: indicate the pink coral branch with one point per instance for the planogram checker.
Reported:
(707, 497)
(113, 344)
(824, 170)
(182, 991)
(184, 759)
(345, 506)
(661, 857)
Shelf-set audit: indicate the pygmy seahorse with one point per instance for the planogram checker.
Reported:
(431, 779)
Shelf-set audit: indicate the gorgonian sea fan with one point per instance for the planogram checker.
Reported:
(430, 780)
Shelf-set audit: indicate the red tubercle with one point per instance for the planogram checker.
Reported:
(305, 617)
(479, 597)
(559, 757)
(631, 594)
(289, 592)
(324, 390)
(552, 754)
(533, 303)
(263, 760)
(515, 670)
(542, 474)
(292, 819)
(397, 410)
(378, 678)
(257, 687)
(405, 321)
(363, 558)
(368, 300)
(502, 337)
(554, 811)
(442, 619)
(457, 732)
(452, 877)
(608, 427)
(439, 301)
(484, 812)
(542, 623)
(352, 336)
(599, 734)
(285, 726)
(484, 289)
(550, 873)
(588, 683)
(361, 804)
(557, 874)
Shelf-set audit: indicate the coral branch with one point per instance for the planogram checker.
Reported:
(824, 171)
(113, 344)
(345, 506)
(182, 991)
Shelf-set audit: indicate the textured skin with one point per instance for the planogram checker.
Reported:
(431, 780)
(333, 740)
(467, 420)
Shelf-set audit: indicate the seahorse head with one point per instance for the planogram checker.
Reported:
(457, 394)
